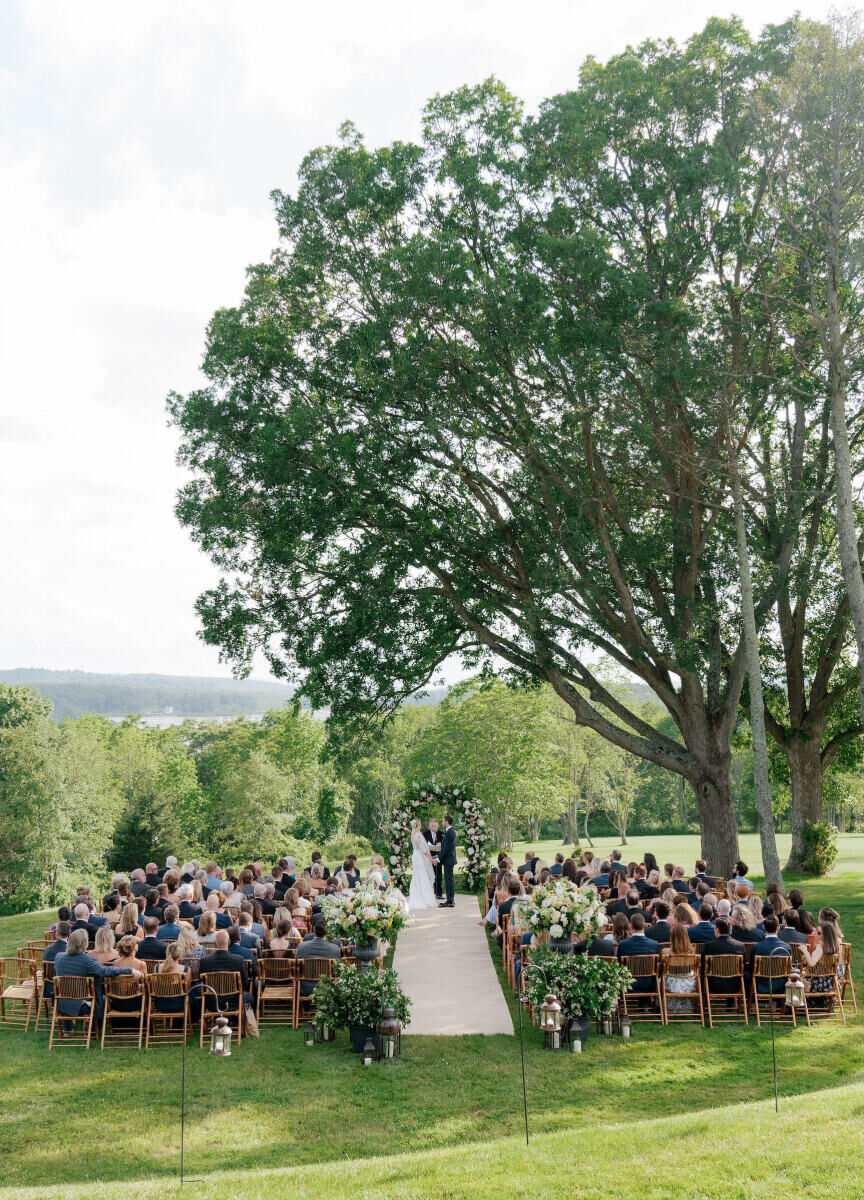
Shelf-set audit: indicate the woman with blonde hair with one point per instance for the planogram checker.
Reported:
(316, 881)
(684, 915)
(187, 943)
(301, 887)
(376, 862)
(128, 923)
(207, 928)
(105, 951)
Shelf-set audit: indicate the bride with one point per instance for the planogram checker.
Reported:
(422, 891)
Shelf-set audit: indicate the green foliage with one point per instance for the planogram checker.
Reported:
(585, 987)
(820, 841)
(357, 998)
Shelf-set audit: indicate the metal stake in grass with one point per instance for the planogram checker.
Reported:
(523, 999)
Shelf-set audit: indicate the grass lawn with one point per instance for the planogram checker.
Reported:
(70, 1118)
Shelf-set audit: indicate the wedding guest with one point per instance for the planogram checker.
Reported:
(76, 962)
(527, 866)
(828, 942)
(150, 947)
(557, 867)
(187, 943)
(129, 923)
(744, 925)
(773, 947)
(104, 951)
(285, 938)
(703, 931)
(790, 928)
(650, 864)
(661, 930)
(207, 928)
(317, 947)
(111, 909)
(679, 987)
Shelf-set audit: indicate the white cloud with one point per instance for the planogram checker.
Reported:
(141, 142)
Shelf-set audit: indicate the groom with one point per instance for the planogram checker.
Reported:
(433, 838)
(447, 858)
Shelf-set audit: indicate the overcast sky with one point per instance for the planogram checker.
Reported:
(138, 146)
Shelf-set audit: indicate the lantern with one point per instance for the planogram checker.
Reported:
(309, 1035)
(368, 1053)
(575, 1037)
(220, 1038)
(626, 1026)
(795, 990)
(389, 1034)
(550, 1022)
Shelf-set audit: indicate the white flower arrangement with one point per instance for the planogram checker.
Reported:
(364, 915)
(561, 908)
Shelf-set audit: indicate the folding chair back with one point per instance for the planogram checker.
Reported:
(124, 1002)
(847, 983)
(277, 995)
(228, 986)
(310, 970)
(821, 997)
(75, 988)
(642, 967)
(163, 1026)
(767, 970)
(729, 1004)
(17, 992)
(682, 966)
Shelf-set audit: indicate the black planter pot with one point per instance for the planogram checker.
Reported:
(359, 1035)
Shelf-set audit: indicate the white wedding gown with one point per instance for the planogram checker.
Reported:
(422, 891)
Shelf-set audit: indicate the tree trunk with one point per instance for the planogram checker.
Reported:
(717, 820)
(587, 834)
(805, 771)
(761, 779)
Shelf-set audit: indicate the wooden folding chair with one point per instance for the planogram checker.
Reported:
(682, 966)
(78, 988)
(726, 967)
(825, 968)
(44, 976)
(311, 969)
(514, 945)
(120, 989)
(17, 992)
(768, 969)
(225, 984)
(487, 899)
(644, 966)
(277, 993)
(847, 980)
(161, 1026)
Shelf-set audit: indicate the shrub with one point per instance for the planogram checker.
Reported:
(585, 987)
(357, 998)
(820, 847)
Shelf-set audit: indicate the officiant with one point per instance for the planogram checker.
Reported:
(433, 837)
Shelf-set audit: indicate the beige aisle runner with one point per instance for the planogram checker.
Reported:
(445, 967)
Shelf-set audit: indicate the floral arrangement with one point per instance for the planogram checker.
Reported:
(559, 909)
(466, 811)
(585, 987)
(354, 998)
(364, 915)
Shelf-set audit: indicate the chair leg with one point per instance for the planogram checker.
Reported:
(53, 1023)
(105, 1020)
(755, 997)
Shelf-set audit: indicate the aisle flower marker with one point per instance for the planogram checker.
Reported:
(364, 916)
(560, 909)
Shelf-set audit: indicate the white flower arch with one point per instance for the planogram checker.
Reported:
(468, 817)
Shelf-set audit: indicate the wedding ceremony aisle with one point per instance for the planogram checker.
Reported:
(445, 967)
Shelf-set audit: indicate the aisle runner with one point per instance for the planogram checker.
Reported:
(445, 967)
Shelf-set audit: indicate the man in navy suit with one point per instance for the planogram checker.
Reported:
(236, 947)
(77, 962)
(661, 930)
(638, 943)
(724, 943)
(447, 858)
(170, 931)
(704, 930)
(150, 946)
(57, 947)
(772, 947)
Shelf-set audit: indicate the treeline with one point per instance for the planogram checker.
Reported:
(82, 797)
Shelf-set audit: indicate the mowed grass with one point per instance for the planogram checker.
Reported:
(71, 1118)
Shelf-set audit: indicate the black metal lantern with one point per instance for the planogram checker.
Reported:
(550, 1022)
(368, 1053)
(309, 1035)
(389, 1035)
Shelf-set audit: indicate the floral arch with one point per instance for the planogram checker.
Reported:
(469, 821)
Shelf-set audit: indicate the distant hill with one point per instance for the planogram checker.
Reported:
(76, 692)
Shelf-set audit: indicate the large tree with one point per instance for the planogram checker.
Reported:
(470, 406)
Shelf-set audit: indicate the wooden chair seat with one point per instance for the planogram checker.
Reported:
(821, 1004)
(162, 1026)
(768, 969)
(76, 988)
(226, 984)
(729, 967)
(17, 992)
(682, 966)
(277, 995)
(644, 966)
(119, 990)
(309, 970)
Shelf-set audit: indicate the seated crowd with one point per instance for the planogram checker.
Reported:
(192, 919)
(672, 914)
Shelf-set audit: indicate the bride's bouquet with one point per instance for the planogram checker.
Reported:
(560, 909)
(365, 915)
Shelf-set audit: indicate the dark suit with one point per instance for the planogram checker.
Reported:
(637, 943)
(51, 952)
(89, 929)
(724, 944)
(139, 889)
(434, 839)
(168, 932)
(447, 858)
(702, 932)
(602, 948)
(150, 947)
(747, 935)
(224, 960)
(315, 947)
(660, 931)
(771, 947)
(248, 956)
(82, 965)
(680, 886)
(792, 937)
(617, 868)
(187, 910)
